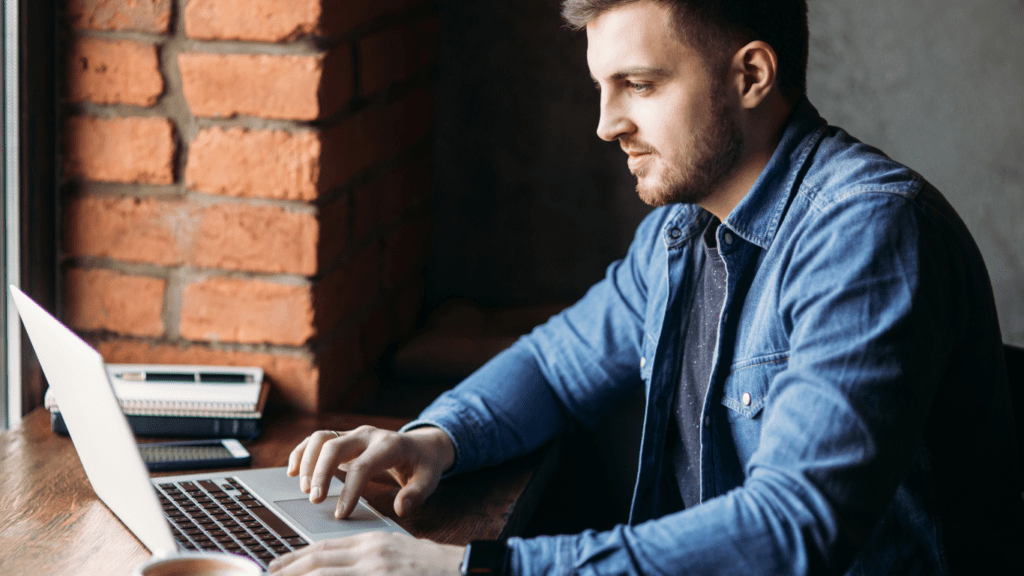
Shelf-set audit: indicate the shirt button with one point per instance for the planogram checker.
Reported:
(745, 398)
(643, 362)
(675, 233)
(727, 238)
(707, 421)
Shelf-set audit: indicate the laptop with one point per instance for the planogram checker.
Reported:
(258, 513)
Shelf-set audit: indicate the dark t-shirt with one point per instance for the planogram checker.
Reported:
(695, 372)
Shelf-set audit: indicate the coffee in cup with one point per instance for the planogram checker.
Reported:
(198, 564)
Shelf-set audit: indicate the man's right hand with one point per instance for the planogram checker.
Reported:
(415, 459)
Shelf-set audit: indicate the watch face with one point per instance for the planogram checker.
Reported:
(484, 557)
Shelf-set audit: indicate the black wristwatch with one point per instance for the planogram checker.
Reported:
(485, 557)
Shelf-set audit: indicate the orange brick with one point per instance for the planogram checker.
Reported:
(138, 15)
(283, 20)
(128, 229)
(263, 21)
(287, 87)
(397, 53)
(373, 135)
(255, 163)
(294, 377)
(132, 149)
(406, 251)
(247, 311)
(301, 165)
(380, 202)
(348, 290)
(257, 239)
(98, 299)
(113, 72)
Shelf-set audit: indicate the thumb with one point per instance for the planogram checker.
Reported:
(412, 495)
(409, 499)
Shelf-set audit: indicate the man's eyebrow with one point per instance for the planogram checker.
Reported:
(645, 71)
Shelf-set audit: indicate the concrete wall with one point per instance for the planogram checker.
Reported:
(531, 205)
(938, 86)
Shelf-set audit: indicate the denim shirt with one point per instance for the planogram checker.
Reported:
(858, 418)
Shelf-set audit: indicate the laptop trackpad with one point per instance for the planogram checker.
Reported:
(319, 518)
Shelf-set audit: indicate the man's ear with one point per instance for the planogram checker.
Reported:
(755, 68)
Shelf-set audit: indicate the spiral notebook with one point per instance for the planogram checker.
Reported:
(183, 390)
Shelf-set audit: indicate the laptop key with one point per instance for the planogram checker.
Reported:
(209, 485)
(274, 522)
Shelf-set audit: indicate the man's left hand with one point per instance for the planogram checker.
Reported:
(372, 553)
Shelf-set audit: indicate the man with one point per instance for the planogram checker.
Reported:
(811, 322)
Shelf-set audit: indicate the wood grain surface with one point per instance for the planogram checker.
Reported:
(51, 522)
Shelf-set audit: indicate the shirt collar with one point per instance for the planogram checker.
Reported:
(757, 217)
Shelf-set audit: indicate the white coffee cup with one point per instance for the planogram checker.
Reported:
(198, 564)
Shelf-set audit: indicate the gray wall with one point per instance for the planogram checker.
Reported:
(531, 205)
(938, 86)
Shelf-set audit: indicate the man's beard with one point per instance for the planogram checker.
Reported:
(693, 175)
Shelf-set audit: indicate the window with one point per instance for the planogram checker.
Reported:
(27, 172)
(9, 395)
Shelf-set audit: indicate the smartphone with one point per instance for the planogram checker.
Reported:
(193, 454)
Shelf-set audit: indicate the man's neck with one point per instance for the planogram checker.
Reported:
(763, 134)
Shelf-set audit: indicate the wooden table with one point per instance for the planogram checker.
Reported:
(51, 522)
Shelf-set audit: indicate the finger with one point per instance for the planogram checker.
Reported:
(310, 455)
(295, 456)
(333, 454)
(328, 553)
(279, 564)
(374, 460)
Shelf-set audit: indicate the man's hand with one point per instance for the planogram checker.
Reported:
(415, 459)
(372, 553)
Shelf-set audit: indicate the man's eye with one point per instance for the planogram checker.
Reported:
(639, 87)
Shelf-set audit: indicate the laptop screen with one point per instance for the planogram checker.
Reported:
(98, 428)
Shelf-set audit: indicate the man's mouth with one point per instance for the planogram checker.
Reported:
(636, 160)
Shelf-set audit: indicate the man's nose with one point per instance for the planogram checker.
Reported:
(614, 123)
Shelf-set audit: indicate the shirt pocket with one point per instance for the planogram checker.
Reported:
(745, 394)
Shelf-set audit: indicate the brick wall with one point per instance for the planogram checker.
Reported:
(245, 182)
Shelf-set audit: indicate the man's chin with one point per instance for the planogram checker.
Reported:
(651, 195)
(657, 193)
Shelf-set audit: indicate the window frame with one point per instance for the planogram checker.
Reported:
(30, 158)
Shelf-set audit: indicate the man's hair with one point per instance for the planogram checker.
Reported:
(717, 28)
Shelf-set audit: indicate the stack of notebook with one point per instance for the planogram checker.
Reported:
(176, 400)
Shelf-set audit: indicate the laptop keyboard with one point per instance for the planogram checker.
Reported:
(221, 515)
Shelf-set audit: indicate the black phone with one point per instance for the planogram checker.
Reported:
(193, 454)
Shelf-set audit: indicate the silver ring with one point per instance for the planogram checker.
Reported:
(336, 433)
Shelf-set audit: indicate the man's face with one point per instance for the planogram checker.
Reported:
(674, 118)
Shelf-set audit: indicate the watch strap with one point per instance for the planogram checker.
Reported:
(485, 557)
